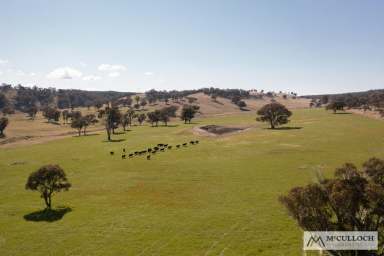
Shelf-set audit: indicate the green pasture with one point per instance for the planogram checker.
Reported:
(216, 198)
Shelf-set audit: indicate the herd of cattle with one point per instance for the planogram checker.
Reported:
(151, 151)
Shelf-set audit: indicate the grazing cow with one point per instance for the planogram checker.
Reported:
(160, 145)
(192, 142)
(156, 148)
(153, 152)
(197, 142)
(169, 147)
(144, 151)
(165, 145)
(111, 153)
(122, 156)
(130, 155)
(136, 152)
(162, 149)
(184, 144)
(177, 146)
(124, 150)
(149, 150)
(148, 157)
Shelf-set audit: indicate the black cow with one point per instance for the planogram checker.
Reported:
(156, 148)
(169, 147)
(184, 144)
(162, 149)
(111, 153)
(149, 150)
(130, 155)
(192, 142)
(160, 145)
(148, 157)
(197, 142)
(177, 146)
(122, 156)
(124, 150)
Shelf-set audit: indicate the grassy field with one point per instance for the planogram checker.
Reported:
(215, 198)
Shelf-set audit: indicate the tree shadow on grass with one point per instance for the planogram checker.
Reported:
(118, 133)
(86, 135)
(52, 122)
(114, 140)
(287, 128)
(48, 215)
(342, 113)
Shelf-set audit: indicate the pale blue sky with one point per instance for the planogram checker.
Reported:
(307, 46)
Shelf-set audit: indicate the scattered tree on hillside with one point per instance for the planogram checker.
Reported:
(143, 102)
(153, 117)
(351, 201)
(3, 101)
(241, 104)
(164, 117)
(3, 124)
(47, 180)
(81, 123)
(100, 113)
(335, 106)
(141, 118)
(98, 105)
(235, 99)
(32, 111)
(65, 116)
(89, 119)
(188, 112)
(127, 118)
(137, 99)
(191, 100)
(51, 114)
(73, 115)
(113, 118)
(8, 110)
(274, 113)
(151, 100)
(136, 106)
(78, 124)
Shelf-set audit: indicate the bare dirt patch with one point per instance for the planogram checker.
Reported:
(218, 130)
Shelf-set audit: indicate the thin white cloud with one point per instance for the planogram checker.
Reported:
(20, 73)
(3, 62)
(32, 74)
(83, 64)
(91, 78)
(114, 74)
(1, 72)
(148, 73)
(64, 73)
(109, 67)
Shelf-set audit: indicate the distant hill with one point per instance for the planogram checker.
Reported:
(22, 98)
(373, 98)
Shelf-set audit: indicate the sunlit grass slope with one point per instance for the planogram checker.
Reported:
(215, 198)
